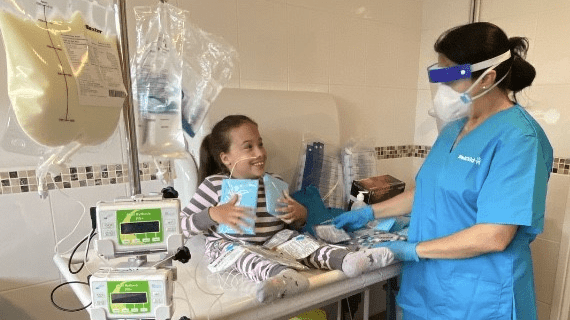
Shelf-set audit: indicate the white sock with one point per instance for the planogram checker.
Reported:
(355, 263)
(286, 283)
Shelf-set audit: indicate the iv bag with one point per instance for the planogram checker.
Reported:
(157, 80)
(65, 82)
(179, 70)
(209, 62)
(64, 79)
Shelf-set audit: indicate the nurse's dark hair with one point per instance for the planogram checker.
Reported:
(476, 42)
(218, 141)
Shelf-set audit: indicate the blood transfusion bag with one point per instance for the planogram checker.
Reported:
(64, 79)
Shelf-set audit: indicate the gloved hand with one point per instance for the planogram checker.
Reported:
(354, 220)
(403, 250)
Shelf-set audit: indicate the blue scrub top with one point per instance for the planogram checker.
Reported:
(497, 174)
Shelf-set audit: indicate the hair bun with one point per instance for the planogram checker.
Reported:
(518, 46)
(522, 72)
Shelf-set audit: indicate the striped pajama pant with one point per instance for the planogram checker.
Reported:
(258, 268)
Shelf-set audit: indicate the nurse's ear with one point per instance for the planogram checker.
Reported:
(488, 80)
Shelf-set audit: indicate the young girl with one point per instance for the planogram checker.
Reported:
(235, 149)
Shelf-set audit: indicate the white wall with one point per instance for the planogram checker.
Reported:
(363, 52)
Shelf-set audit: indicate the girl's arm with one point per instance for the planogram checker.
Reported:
(195, 217)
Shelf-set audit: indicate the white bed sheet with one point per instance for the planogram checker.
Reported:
(199, 296)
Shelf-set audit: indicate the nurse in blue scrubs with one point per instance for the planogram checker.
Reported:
(480, 195)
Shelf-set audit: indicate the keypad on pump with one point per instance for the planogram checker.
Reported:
(107, 223)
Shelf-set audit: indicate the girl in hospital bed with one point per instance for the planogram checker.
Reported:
(235, 149)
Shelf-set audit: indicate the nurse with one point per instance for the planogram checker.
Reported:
(480, 195)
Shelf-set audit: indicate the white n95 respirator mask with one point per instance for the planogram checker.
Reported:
(450, 105)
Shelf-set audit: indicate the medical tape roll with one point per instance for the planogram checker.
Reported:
(64, 79)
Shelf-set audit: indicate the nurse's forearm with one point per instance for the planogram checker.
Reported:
(396, 206)
(471, 242)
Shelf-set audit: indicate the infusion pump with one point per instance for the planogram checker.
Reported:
(134, 294)
(140, 225)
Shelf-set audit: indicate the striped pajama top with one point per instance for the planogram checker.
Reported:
(195, 218)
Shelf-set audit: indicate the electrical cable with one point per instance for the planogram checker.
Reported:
(93, 233)
(65, 309)
(72, 254)
(85, 258)
(89, 237)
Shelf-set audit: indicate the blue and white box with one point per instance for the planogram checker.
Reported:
(274, 189)
(246, 189)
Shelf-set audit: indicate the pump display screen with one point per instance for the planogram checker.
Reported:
(130, 297)
(140, 227)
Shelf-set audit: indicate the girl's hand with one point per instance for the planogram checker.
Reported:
(232, 215)
(293, 212)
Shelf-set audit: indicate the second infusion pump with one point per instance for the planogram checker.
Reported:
(138, 226)
(140, 294)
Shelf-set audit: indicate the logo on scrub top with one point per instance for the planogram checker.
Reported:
(476, 161)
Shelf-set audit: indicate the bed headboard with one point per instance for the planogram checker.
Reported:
(284, 117)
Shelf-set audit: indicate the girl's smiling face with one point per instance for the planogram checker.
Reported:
(247, 154)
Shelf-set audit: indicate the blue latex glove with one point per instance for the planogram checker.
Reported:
(403, 250)
(354, 220)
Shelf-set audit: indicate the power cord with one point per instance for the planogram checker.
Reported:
(65, 309)
(88, 239)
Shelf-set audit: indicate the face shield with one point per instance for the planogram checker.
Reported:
(451, 88)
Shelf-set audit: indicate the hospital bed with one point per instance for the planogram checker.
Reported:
(284, 119)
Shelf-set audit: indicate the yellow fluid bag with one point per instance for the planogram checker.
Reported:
(64, 79)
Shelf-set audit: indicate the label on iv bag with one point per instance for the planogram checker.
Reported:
(330, 233)
(230, 255)
(279, 238)
(96, 69)
(299, 247)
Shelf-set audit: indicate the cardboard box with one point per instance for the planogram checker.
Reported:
(378, 188)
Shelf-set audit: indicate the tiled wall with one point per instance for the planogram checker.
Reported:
(392, 152)
(559, 165)
(22, 181)
(81, 176)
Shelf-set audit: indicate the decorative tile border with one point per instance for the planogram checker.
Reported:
(20, 181)
(405, 151)
(559, 165)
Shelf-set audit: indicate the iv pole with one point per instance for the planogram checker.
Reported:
(128, 112)
(475, 11)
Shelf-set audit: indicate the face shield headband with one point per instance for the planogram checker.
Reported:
(463, 71)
